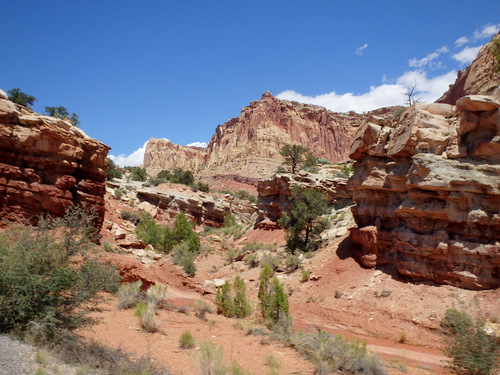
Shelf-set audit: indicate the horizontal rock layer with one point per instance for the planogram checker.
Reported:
(427, 192)
(46, 165)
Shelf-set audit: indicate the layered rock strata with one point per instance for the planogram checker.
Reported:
(46, 165)
(249, 145)
(274, 194)
(427, 192)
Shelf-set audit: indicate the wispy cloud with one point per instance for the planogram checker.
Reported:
(198, 144)
(429, 59)
(135, 159)
(467, 55)
(487, 31)
(361, 50)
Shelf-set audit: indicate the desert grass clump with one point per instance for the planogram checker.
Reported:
(305, 274)
(210, 359)
(274, 364)
(147, 316)
(156, 293)
(186, 341)
(129, 294)
(332, 354)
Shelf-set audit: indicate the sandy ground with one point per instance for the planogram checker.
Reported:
(399, 320)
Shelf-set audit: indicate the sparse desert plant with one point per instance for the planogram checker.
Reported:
(274, 364)
(201, 309)
(331, 354)
(229, 221)
(130, 216)
(210, 359)
(292, 262)
(304, 275)
(402, 338)
(129, 294)
(156, 293)
(471, 349)
(186, 341)
(147, 316)
(270, 260)
(118, 193)
(251, 260)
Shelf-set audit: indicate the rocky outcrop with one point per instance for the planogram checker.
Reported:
(274, 193)
(202, 208)
(250, 144)
(478, 77)
(427, 192)
(162, 154)
(46, 165)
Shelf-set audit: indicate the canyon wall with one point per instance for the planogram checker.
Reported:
(162, 154)
(46, 165)
(427, 192)
(249, 145)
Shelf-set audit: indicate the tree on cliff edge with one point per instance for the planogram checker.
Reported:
(21, 98)
(293, 155)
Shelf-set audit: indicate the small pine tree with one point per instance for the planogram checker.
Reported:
(224, 300)
(272, 297)
(293, 155)
(242, 307)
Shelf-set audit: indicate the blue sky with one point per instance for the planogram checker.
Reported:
(133, 70)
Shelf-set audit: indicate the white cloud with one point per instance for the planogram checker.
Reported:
(427, 89)
(135, 159)
(361, 50)
(467, 55)
(461, 41)
(416, 63)
(198, 144)
(487, 31)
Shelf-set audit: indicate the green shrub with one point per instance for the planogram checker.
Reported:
(118, 193)
(130, 216)
(346, 171)
(242, 307)
(129, 294)
(471, 349)
(113, 171)
(210, 359)
(312, 169)
(138, 173)
(229, 220)
(251, 260)
(147, 316)
(242, 194)
(42, 283)
(21, 98)
(62, 113)
(304, 223)
(270, 260)
(272, 297)
(224, 300)
(201, 186)
(292, 262)
(184, 257)
(186, 341)
(333, 354)
(156, 293)
(159, 236)
(323, 161)
(304, 275)
(293, 155)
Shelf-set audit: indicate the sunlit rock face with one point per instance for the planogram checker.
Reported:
(46, 165)
(477, 78)
(249, 145)
(427, 192)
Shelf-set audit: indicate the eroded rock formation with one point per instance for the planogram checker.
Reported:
(46, 165)
(274, 193)
(249, 144)
(162, 154)
(478, 77)
(427, 192)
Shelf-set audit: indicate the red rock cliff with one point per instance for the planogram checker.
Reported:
(249, 144)
(47, 164)
(427, 192)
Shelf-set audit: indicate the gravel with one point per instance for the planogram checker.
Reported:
(19, 358)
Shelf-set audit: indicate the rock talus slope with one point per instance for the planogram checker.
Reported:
(46, 165)
(427, 189)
